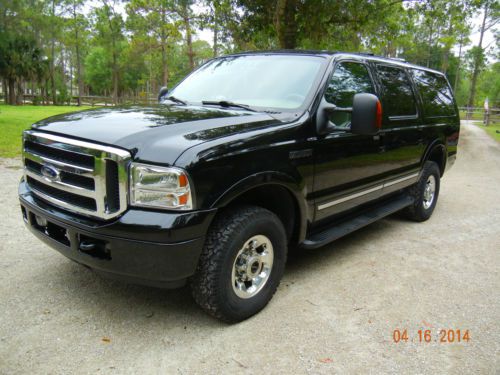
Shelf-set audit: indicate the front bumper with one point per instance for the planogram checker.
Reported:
(143, 247)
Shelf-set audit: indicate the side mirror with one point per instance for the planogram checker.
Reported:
(323, 123)
(163, 92)
(366, 114)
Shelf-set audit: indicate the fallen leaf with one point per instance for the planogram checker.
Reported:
(239, 363)
(326, 360)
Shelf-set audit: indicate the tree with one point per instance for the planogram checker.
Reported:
(20, 59)
(98, 71)
(153, 26)
(220, 18)
(184, 10)
(109, 25)
(77, 33)
(491, 17)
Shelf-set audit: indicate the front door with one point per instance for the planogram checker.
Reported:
(347, 166)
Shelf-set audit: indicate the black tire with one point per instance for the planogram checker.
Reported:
(421, 210)
(212, 283)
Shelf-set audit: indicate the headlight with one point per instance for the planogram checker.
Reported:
(159, 187)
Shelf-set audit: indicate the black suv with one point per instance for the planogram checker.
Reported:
(250, 155)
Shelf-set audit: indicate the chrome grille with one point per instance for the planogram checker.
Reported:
(81, 177)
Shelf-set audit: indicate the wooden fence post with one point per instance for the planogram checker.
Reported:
(486, 118)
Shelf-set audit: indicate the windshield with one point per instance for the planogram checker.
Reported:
(270, 81)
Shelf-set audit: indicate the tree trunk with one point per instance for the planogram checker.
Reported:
(286, 23)
(70, 82)
(189, 38)
(446, 55)
(216, 31)
(115, 75)
(429, 43)
(12, 91)
(163, 41)
(19, 96)
(477, 58)
(78, 62)
(457, 73)
(5, 91)
(52, 59)
(183, 12)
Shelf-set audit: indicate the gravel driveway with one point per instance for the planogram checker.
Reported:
(335, 311)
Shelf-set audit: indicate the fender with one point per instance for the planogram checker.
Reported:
(436, 144)
(295, 188)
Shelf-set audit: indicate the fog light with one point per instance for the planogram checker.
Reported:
(40, 221)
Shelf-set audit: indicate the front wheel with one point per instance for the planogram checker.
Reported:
(241, 264)
(425, 193)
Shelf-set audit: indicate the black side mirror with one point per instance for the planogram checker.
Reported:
(323, 123)
(366, 114)
(163, 92)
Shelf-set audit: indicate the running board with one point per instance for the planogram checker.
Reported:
(340, 229)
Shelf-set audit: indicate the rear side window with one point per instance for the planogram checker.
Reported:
(435, 92)
(398, 94)
(348, 79)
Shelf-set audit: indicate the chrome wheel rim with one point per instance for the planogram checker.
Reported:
(429, 192)
(252, 266)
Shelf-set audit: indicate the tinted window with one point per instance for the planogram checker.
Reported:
(435, 92)
(398, 94)
(348, 79)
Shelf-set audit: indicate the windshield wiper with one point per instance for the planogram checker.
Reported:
(227, 104)
(176, 100)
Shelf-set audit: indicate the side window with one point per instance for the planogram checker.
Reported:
(348, 79)
(398, 94)
(435, 92)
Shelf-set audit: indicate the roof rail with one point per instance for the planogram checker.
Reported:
(382, 57)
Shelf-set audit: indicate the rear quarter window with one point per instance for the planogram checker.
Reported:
(398, 99)
(437, 98)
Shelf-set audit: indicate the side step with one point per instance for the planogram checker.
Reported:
(342, 228)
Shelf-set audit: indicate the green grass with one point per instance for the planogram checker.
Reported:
(492, 130)
(15, 119)
(475, 116)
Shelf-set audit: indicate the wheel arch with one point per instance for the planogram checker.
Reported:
(277, 192)
(436, 152)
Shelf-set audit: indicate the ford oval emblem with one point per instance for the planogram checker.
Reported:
(50, 173)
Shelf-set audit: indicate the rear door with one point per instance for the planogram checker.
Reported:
(402, 141)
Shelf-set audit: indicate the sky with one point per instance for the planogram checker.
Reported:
(488, 39)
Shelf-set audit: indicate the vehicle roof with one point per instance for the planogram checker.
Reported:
(333, 54)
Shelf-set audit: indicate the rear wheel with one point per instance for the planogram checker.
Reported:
(241, 264)
(425, 193)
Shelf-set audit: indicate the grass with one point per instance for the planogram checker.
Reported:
(490, 129)
(15, 119)
(475, 116)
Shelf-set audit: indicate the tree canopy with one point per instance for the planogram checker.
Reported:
(55, 49)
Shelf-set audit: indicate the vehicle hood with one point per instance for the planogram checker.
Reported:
(156, 133)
